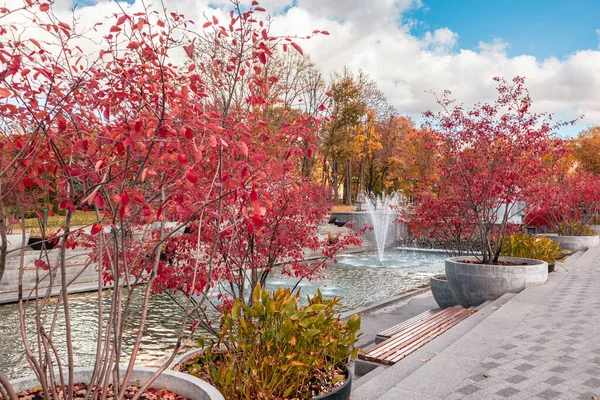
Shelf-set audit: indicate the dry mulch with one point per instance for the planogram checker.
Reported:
(80, 390)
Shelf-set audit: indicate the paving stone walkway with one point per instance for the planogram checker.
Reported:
(554, 352)
(543, 343)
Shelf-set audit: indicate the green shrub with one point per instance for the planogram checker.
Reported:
(275, 349)
(535, 247)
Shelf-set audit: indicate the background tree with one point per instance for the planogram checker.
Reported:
(587, 149)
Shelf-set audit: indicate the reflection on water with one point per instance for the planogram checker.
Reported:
(358, 279)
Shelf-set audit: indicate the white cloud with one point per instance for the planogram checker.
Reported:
(370, 35)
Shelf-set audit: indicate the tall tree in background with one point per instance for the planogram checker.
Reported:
(587, 149)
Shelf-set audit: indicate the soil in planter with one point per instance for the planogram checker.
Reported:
(500, 263)
(80, 390)
(317, 386)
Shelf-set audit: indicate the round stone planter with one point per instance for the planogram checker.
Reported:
(341, 393)
(473, 284)
(441, 292)
(576, 243)
(179, 383)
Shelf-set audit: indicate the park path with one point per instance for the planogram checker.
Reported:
(554, 352)
(542, 343)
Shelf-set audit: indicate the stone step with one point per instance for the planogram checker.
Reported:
(378, 385)
(361, 380)
(586, 259)
(572, 259)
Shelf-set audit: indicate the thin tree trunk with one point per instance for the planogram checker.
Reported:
(348, 184)
(3, 243)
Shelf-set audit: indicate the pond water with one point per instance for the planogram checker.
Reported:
(358, 279)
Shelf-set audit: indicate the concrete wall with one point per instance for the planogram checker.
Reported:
(76, 260)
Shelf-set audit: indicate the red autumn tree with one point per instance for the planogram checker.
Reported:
(153, 148)
(566, 203)
(489, 156)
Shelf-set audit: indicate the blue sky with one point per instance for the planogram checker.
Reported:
(542, 28)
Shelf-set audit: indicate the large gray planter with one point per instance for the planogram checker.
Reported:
(576, 243)
(473, 284)
(177, 382)
(441, 292)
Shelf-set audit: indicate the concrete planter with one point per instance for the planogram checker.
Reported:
(473, 284)
(576, 243)
(186, 357)
(441, 292)
(341, 393)
(182, 384)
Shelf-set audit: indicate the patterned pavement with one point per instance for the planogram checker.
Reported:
(554, 352)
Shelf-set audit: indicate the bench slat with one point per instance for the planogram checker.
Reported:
(414, 335)
(414, 332)
(388, 333)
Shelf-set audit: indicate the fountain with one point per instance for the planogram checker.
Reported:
(381, 210)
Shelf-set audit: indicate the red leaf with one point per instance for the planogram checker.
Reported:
(212, 141)
(262, 58)
(257, 220)
(115, 29)
(191, 177)
(259, 9)
(207, 24)
(243, 148)
(188, 133)
(99, 201)
(298, 48)
(324, 33)
(189, 50)
(41, 264)
(122, 19)
(182, 158)
(4, 93)
(96, 228)
(253, 196)
(215, 20)
(124, 199)
(44, 7)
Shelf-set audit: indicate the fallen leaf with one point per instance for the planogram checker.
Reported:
(425, 359)
(486, 376)
(494, 308)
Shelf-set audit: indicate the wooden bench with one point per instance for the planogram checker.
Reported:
(402, 339)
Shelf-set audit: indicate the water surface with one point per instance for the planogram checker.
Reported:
(358, 279)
